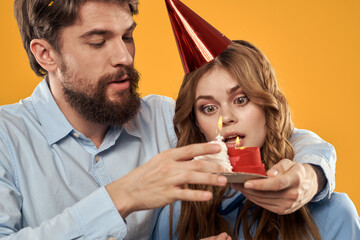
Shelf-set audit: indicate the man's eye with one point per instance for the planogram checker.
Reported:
(128, 38)
(209, 109)
(241, 100)
(97, 45)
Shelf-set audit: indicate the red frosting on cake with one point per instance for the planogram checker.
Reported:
(246, 160)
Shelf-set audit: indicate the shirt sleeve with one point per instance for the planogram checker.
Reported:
(94, 217)
(169, 109)
(310, 148)
(336, 218)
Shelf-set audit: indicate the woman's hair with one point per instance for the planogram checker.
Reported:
(255, 76)
(44, 19)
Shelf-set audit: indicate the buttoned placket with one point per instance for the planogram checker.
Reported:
(98, 169)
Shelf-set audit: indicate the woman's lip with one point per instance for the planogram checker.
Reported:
(233, 144)
(226, 135)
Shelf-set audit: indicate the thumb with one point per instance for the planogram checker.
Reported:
(281, 167)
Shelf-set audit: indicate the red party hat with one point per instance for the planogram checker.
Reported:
(198, 42)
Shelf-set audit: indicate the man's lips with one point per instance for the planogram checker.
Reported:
(120, 84)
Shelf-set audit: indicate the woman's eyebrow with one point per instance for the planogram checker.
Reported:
(207, 97)
(232, 90)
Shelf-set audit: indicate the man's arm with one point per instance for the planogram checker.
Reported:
(80, 221)
(311, 149)
(291, 184)
(152, 185)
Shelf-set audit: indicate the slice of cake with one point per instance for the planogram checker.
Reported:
(222, 157)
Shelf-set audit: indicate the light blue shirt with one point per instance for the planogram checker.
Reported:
(336, 217)
(52, 177)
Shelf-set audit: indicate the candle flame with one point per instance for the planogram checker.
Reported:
(237, 142)
(220, 123)
(219, 138)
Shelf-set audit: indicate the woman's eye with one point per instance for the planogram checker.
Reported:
(241, 100)
(209, 109)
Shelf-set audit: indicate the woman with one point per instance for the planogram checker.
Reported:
(240, 86)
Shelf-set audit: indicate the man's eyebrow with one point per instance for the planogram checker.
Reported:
(104, 31)
(95, 32)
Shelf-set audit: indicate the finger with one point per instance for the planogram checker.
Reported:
(273, 208)
(193, 150)
(271, 184)
(198, 178)
(263, 194)
(280, 182)
(281, 167)
(192, 195)
(276, 205)
(204, 166)
(269, 205)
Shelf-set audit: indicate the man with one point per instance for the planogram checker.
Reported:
(84, 157)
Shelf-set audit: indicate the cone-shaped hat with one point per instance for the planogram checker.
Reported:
(198, 42)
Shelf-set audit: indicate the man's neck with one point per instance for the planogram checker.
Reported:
(94, 131)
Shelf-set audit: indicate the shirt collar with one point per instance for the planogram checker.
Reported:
(54, 122)
(132, 128)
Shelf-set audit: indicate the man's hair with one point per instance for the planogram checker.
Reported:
(44, 19)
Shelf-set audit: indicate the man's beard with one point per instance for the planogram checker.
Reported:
(92, 102)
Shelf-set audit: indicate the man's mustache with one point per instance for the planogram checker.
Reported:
(131, 72)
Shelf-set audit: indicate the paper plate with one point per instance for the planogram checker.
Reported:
(240, 177)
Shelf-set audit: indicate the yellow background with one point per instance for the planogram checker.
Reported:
(313, 46)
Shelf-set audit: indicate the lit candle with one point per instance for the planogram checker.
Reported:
(237, 143)
(219, 138)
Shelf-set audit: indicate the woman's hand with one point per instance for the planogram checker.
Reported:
(290, 186)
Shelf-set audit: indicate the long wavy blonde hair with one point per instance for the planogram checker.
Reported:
(254, 74)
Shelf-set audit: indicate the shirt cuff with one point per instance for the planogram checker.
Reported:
(98, 218)
(325, 167)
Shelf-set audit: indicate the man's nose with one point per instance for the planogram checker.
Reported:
(122, 54)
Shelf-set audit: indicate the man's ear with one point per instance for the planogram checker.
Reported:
(45, 54)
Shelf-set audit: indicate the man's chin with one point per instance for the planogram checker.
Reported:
(118, 97)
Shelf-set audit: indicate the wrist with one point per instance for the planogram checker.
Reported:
(319, 177)
(120, 199)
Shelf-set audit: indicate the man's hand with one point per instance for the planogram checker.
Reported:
(159, 181)
(221, 236)
(290, 186)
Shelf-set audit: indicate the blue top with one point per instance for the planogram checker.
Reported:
(336, 217)
(52, 177)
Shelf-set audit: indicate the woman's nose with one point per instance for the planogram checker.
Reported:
(228, 117)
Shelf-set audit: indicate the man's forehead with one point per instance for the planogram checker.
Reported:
(95, 14)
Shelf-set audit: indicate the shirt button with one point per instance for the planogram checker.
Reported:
(111, 238)
(97, 159)
(76, 135)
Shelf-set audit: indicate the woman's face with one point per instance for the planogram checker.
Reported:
(217, 93)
